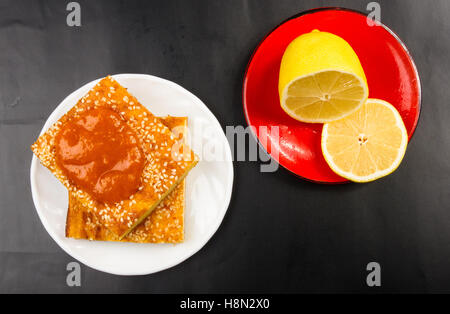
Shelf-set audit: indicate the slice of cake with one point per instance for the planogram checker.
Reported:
(164, 225)
(114, 156)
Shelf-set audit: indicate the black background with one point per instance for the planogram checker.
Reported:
(280, 234)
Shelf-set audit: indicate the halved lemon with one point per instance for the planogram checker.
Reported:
(368, 144)
(321, 78)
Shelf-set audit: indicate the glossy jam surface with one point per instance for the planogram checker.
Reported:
(100, 153)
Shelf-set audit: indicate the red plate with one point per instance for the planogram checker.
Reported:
(390, 70)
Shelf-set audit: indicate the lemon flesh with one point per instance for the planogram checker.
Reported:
(321, 79)
(366, 145)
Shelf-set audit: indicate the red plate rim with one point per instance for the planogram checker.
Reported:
(311, 11)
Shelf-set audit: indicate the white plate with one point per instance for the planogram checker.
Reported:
(208, 185)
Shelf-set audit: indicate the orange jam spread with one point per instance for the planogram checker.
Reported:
(100, 153)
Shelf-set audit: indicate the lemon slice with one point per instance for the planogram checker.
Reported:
(321, 79)
(368, 144)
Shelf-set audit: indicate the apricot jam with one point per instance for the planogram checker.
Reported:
(100, 153)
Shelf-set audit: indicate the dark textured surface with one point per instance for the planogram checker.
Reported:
(280, 234)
